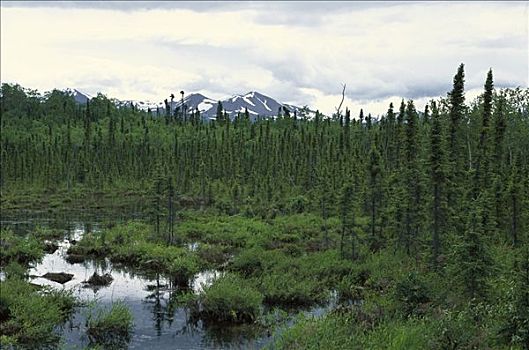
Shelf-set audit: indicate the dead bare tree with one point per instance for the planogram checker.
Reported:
(338, 110)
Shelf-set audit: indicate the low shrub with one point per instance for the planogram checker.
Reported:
(352, 286)
(401, 335)
(183, 268)
(341, 330)
(329, 332)
(412, 293)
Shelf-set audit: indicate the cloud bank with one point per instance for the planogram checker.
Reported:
(297, 52)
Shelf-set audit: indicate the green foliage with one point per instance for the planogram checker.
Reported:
(42, 233)
(292, 280)
(29, 316)
(472, 263)
(339, 331)
(413, 294)
(230, 299)
(438, 184)
(23, 250)
(516, 328)
(110, 328)
(15, 270)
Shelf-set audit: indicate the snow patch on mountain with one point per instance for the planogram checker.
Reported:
(254, 102)
(79, 97)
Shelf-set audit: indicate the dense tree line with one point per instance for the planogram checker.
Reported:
(419, 176)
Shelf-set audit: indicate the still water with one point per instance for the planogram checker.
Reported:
(159, 322)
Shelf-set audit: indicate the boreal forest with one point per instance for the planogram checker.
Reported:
(407, 230)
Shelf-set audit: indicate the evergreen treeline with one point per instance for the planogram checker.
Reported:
(419, 176)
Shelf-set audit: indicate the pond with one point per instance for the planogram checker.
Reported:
(159, 322)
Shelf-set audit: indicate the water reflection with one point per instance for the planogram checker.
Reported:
(204, 279)
(160, 321)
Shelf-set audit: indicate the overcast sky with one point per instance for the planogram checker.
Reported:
(295, 52)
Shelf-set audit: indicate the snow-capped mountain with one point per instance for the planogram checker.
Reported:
(195, 101)
(142, 105)
(79, 96)
(256, 103)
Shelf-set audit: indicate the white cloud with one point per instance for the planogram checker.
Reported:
(296, 52)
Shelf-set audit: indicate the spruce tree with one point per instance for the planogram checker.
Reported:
(426, 115)
(157, 196)
(499, 134)
(219, 115)
(347, 216)
(375, 191)
(361, 116)
(457, 109)
(390, 137)
(411, 179)
(438, 179)
(400, 136)
(347, 129)
(481, 174)
(455, 185)
(515, 191)
(325, 201)
(473, 264)
(498, 186)
(170, 211)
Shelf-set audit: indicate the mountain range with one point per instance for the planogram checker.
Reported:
(256, 103)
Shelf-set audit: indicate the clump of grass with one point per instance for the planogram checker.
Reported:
(110, 328)
(345, 329)
(230, 299)
(14, 270)
(44, 233)
(289, 290)
(213, 256)
(183, 268)
(19, 248)
(292, 280)
(235, 231)
(255, 261)
(29, 315)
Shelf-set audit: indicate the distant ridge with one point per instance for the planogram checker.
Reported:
(256, 103)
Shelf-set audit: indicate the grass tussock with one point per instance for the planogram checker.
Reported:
(110, 328)
(30, 315)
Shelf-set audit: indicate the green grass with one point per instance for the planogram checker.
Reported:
(21, 249)
(230, 299)
(110, 328)
(30, 315)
